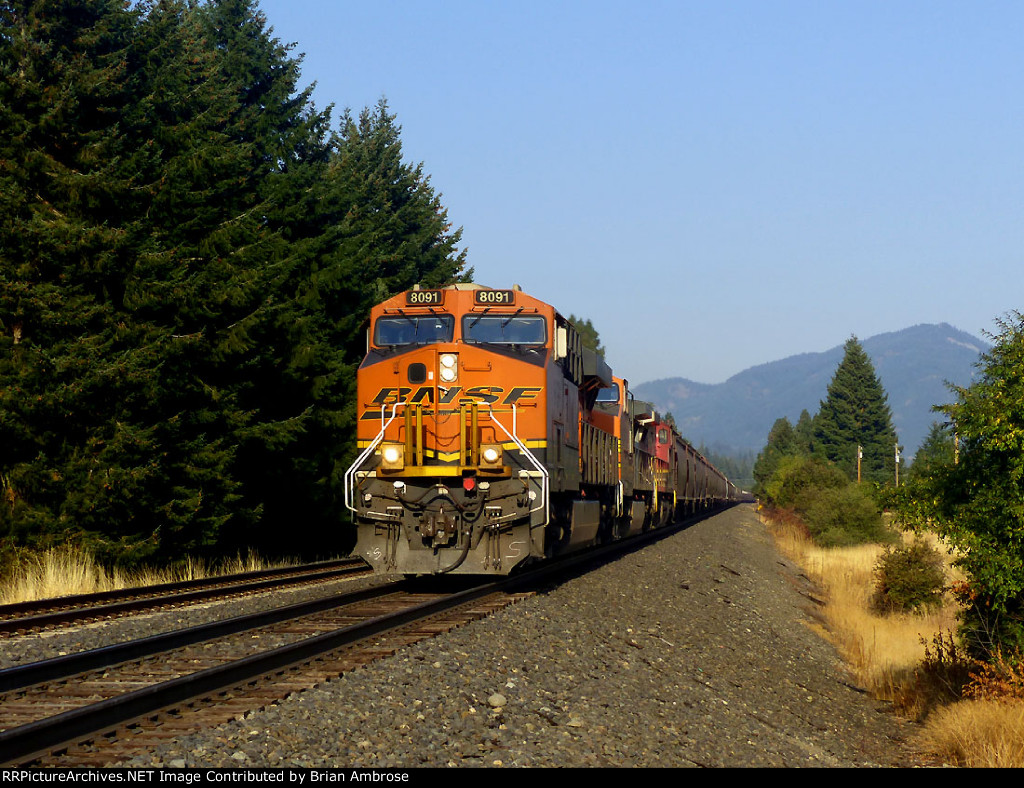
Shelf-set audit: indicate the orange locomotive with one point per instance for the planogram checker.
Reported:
(489, 436)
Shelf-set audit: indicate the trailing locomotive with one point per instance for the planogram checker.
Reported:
(489, 437)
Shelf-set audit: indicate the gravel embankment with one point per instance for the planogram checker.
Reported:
(694, 652)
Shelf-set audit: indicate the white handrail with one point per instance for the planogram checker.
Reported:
(533, 460)
(350, 474)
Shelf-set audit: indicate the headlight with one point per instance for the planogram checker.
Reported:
(449, 367)
(392, 456)
(490, 455)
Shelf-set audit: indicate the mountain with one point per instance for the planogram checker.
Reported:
(913, 365)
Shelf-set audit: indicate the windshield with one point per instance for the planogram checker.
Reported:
(504, 329)
(609, 394)
(414, 330)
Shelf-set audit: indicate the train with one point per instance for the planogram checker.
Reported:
(489, 438)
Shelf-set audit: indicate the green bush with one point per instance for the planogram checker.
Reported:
(798, 481)
(909, 578)
(843, 516)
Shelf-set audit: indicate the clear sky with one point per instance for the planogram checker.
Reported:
(714, 183)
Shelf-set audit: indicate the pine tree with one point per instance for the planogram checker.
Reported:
(803, 433)
(70, 364)
(782, 442)
(394, 231)
(187, 255)
(588, 334)
(125, 279)
(287, 372)
(937, 451)
(856, 414)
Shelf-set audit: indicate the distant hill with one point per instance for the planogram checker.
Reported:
(913, 365)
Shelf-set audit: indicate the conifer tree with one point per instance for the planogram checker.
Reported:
(588, 334)
(70, 364)
(937, 451)
(187, 255)
(782, 442)
(292, 380)
(133, 267)
(803, 433)
(856, 413)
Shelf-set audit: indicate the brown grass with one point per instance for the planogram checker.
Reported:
(67, 571)
(910, 660)
(977, 733)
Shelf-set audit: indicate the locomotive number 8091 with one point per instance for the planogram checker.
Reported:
(490, 437)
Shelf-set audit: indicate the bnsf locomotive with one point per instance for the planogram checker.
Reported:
(489, 436)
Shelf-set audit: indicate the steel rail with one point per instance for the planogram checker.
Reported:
(81, 600)
(33, 740)
(26, 742)
(166, 595)
(22, 676)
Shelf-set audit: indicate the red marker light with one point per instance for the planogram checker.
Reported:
(469, 483)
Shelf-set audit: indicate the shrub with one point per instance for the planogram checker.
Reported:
(1001, 678)
(944, 673)
(843, 516)
(798, 480)
(909, 578)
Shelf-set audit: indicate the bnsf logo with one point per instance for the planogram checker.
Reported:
(455, 395)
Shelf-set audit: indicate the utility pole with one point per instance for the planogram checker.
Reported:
(860, 456)
(897, 464)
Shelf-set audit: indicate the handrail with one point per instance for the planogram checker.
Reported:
(350, 474)
(533, 460)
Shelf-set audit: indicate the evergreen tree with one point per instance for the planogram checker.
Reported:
(290, 375)
(937, 451)
(369, 226)
(803, 433)
(856, 413)
(71, 366)
(187, 255)
(133, 268)
(782, 442)
(588, 334)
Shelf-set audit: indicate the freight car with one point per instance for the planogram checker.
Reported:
(489, 437)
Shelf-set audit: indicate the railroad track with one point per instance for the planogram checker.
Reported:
(49, 613)
(96, 707)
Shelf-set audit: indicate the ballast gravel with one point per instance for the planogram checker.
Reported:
(696, 651)
(48, 644)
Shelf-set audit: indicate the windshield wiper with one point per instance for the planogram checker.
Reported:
(512, 317)
(480, 317)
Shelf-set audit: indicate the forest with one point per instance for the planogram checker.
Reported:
(188, 251)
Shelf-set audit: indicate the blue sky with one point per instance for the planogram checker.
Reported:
(715, 184)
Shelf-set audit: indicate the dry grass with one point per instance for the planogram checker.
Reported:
(885, 654)
(880, 650)
(977, 733)
(66, 571)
